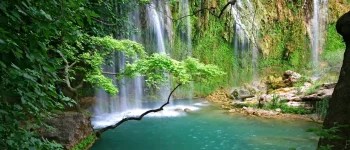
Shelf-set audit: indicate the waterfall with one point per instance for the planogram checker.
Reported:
(105, 103)
(318, 25)
(158, 21)
(158, 27)
(246, 29)
(184, 32)
(130, 90)
(129, 101)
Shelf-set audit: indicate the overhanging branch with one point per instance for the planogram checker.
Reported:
(99, 132)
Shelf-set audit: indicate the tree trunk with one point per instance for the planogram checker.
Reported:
(339, 104)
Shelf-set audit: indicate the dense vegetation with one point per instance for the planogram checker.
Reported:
(49, 45)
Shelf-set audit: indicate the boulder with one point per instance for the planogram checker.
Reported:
(291, 76)
(319, 95)
(69, 128)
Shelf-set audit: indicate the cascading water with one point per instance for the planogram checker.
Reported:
(185, 26)
(109, 110)
(184, 31)
(246, 30)
(319, 21)
(157, 24)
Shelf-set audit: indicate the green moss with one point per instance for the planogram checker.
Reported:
(333, 50)
(82, 145)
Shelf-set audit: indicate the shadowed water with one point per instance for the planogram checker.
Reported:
(209, 128)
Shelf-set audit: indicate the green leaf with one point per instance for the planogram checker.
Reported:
(26, 75)
(2, 64)
(14, 66)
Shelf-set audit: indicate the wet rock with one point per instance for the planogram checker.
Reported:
(187, 110)
(178, 109)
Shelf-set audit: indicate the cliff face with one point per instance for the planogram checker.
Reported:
(283, 31)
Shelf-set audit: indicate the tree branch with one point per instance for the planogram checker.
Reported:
(66, 71)
(211, 11)
(233, 2)
(99, 132)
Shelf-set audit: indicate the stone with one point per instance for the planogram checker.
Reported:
(178, 109)
(291, 76)
(69, 128)
(187, 110)
(278, 110)
(232, 110)
(329, 85)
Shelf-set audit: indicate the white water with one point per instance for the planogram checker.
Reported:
(246, 30)
(169, 111)
(318, 25)
(157, 23)
(109, 110)
(184, 10)
(185, 35)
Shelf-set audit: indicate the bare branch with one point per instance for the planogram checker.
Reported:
(71, 65)
(66, 71)
(99, 132)
(80, 85)
(64, 59)
(233, 2)
(211, 11)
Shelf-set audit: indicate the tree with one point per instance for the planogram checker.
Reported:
(44, 43)
(338, 115)
(182, 72)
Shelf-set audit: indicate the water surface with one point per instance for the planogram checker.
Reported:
(207, 128)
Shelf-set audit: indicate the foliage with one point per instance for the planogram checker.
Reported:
(328, 133)
(313, 89)
(294, 110)
(94, 58)
(85, 143)
(241, 105)
(321, 108)
(183, 72)
(48, 43)
(333, 51)
(276, 102)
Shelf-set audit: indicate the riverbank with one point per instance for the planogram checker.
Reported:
(290, 96)
(262, 113)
